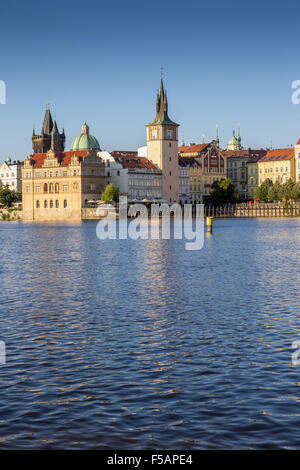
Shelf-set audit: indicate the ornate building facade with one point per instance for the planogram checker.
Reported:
(207, 164)
(58, 185)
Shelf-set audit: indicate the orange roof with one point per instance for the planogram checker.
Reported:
(192, 148)
(278, 154)
(298, 142)
(64, 158)
(236, 153)
(133, 161)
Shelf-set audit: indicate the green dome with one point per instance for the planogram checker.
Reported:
(233, 141)
(85, 140)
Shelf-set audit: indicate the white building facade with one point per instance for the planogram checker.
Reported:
(135, 176)
(184, 181)
(11, 174)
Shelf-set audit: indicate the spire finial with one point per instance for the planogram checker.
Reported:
(182, 141)
(217, 135)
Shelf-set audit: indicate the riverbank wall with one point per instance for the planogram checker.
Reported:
(289, 209)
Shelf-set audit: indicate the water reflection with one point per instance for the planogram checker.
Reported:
(123, 344)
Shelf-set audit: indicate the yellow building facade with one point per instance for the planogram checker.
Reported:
(58, 185)
(278, 165)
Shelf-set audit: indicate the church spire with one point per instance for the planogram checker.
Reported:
(162, 106)
(55, 138)
(48, 123)
(217, 136)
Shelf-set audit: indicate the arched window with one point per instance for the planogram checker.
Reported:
(51, 204)
(37, 204)
(65, 203)
(45, 204)
(51, 188)
(56, 187)
(45, 188)
(56, 204)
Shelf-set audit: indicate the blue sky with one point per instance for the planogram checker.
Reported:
(224, 63)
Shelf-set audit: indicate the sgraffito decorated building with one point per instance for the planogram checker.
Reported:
(207, 164)
(58, 185)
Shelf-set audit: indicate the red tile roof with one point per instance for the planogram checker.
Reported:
(278, 154)
(64, 158)
(237, 153)
(192, 148)
(133, 161)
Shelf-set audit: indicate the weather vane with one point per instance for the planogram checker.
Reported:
(161, 71)
(47, 105)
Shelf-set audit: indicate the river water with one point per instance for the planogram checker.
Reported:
(144, 345)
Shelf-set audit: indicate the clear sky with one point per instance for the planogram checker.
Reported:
(225, 62)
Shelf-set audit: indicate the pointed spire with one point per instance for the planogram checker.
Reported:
(182, 141)
(54, 129)
(157, 102)
(161, 93)
(48, 123)
(165, 102)
(33, 132)
(217, 135)
(162, 106)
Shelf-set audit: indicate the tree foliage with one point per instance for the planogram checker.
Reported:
(269, 191)
(9, 196)
(224, 191)
(111, 193)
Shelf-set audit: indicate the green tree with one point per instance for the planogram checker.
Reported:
(296, 192)
(8, 196)
(224, 191)
(274, 192)
(262, 191)
(111, 193)
(286, 190)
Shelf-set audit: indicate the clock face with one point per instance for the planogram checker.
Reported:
(170, 134)
(154, 134)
